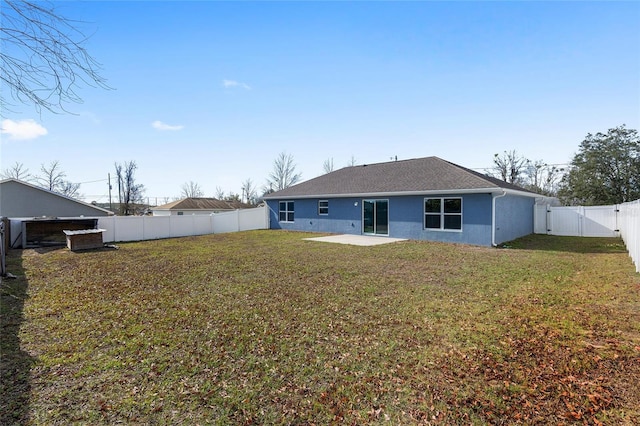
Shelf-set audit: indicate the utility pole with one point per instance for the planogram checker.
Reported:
(110, 204)
(119, 195)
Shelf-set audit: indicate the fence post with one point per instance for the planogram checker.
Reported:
(3, 269)
(267, 216)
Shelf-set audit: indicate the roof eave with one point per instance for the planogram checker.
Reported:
(173, 209)
(488, 190)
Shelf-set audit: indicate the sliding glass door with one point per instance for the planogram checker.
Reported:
(375, 217)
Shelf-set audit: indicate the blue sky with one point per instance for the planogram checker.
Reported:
(212, 92)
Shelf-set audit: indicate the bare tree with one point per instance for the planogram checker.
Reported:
(43, 61)
(542, 178)
(327, 166)
(219, 193)
(129, 192)
(191, 190)
(17, 171)
(352, 161)
(232, 197)
(509, 166)
(284, 173)
(69, 189)
(52, 176)
(249, 191)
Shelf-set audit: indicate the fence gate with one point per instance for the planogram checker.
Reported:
(595, 221)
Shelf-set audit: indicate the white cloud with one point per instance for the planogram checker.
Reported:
(233, 83)
(159, 125)
(23, 129)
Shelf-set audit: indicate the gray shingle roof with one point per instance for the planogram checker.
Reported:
(203, 204)
(413, 176)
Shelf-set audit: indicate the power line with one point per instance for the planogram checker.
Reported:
(544, 165)
(93, 181)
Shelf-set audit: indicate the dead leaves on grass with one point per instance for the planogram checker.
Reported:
(536, 379)
(263, 328)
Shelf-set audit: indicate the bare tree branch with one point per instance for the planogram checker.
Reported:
(249, 192)
(43, 60)
(69, 189)
(542, 178)
(129, 192)
(17, 171)
(509, 166)
(191, 189)
(284, 173)
(52, 176)
(219, 193)
(327, 166)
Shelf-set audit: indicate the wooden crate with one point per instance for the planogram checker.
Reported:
(84, 239)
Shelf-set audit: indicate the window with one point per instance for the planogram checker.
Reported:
(323, 207)
(443, 213)
(286, 211)
(180, 213)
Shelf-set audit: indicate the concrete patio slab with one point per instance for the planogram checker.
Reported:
(356, 240)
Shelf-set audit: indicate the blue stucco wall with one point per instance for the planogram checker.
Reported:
(514, 217)
(406, 218)
(344, 217)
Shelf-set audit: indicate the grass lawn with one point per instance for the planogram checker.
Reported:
(263, 327)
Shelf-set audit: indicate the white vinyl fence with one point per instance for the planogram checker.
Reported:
(593, 221)
(620, 220)
(139, 228)
(629, 222)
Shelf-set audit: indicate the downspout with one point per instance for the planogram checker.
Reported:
(269, 209)
(493, 216)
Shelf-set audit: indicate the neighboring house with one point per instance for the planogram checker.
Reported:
(189, 206)
(423, 199)
(23, 200)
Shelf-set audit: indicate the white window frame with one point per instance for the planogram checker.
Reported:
(325, 207)
(286, 211)
(442, 214)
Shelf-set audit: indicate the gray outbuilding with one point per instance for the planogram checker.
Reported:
(37, 217)
(22, 199)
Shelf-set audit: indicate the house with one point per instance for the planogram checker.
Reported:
(189, 206)
(423, 199)
(38, 216)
